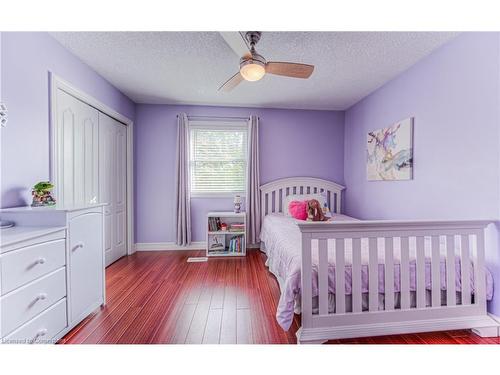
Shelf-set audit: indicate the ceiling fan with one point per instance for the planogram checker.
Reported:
(254, 66)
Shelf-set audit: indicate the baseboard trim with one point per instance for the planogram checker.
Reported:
(169, 246)
(495, 317)
(254, 246)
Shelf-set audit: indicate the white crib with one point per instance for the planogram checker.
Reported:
(323, 324)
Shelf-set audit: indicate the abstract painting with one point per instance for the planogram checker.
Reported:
(389, 152)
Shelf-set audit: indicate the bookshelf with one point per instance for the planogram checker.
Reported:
(230, 242)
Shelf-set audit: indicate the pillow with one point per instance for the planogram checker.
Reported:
(321, 198)
(298, 210)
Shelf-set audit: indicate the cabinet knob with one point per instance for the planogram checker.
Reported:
(41, 296)
(41, 261)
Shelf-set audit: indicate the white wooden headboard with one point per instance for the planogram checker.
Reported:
(273, 193)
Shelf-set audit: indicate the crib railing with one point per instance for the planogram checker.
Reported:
(418, 243)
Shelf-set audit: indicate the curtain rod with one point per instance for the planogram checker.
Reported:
(217, 118)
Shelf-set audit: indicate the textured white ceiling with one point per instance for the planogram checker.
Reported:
(188, 67)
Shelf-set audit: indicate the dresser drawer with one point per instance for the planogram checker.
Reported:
(41, 329)
(25, 303)
(21, 266)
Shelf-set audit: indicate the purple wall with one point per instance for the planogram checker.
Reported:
(300, 143)
(454, 96)
(0, 68)
(27, 59)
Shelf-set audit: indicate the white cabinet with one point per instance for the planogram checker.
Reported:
(52, 271)
(85, 264)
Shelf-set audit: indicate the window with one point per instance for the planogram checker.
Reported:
(217, 157)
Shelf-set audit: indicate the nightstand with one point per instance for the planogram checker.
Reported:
(226, 234)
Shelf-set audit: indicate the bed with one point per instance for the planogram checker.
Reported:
(396, 276)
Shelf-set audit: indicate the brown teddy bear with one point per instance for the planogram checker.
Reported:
(314, 211)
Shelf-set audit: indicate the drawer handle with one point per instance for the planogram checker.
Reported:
(36, 262)
(41, 261)
(78, 246)
(42, 332)
(40, 297)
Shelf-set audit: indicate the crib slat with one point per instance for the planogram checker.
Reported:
(420, 272)
(323, 276)
(389, 273)
(450, 271)
(373, 274)
(465, 269)
(479, 273)
(263, 199)
(356, 275)
(306, 286)
(405, 273)
(339, 277)
(279, 208)
(436, 271)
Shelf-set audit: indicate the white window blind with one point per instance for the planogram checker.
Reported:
(218, 158)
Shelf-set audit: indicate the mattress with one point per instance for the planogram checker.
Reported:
(282, 245)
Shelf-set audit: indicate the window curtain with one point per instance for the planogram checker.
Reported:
(252, 203)
(182, 204)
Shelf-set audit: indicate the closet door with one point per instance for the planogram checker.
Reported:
(76, 151)
(113, 185)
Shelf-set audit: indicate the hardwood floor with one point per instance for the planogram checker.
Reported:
(157, 297)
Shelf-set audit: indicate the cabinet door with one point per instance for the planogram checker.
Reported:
(86, 268)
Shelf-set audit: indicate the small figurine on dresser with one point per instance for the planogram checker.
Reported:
(42, 194)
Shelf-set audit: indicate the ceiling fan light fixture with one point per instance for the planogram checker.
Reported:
(252, 72)
(254, 68)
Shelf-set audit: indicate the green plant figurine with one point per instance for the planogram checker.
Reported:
(42, 195)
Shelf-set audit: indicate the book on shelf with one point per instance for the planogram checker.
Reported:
(237, 227)
(214, 224)
(236, 244)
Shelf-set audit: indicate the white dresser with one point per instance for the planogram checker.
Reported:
(51, 271)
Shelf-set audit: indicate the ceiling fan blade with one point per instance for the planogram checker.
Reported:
(236, 40)
(231, 83)
(289, 69)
